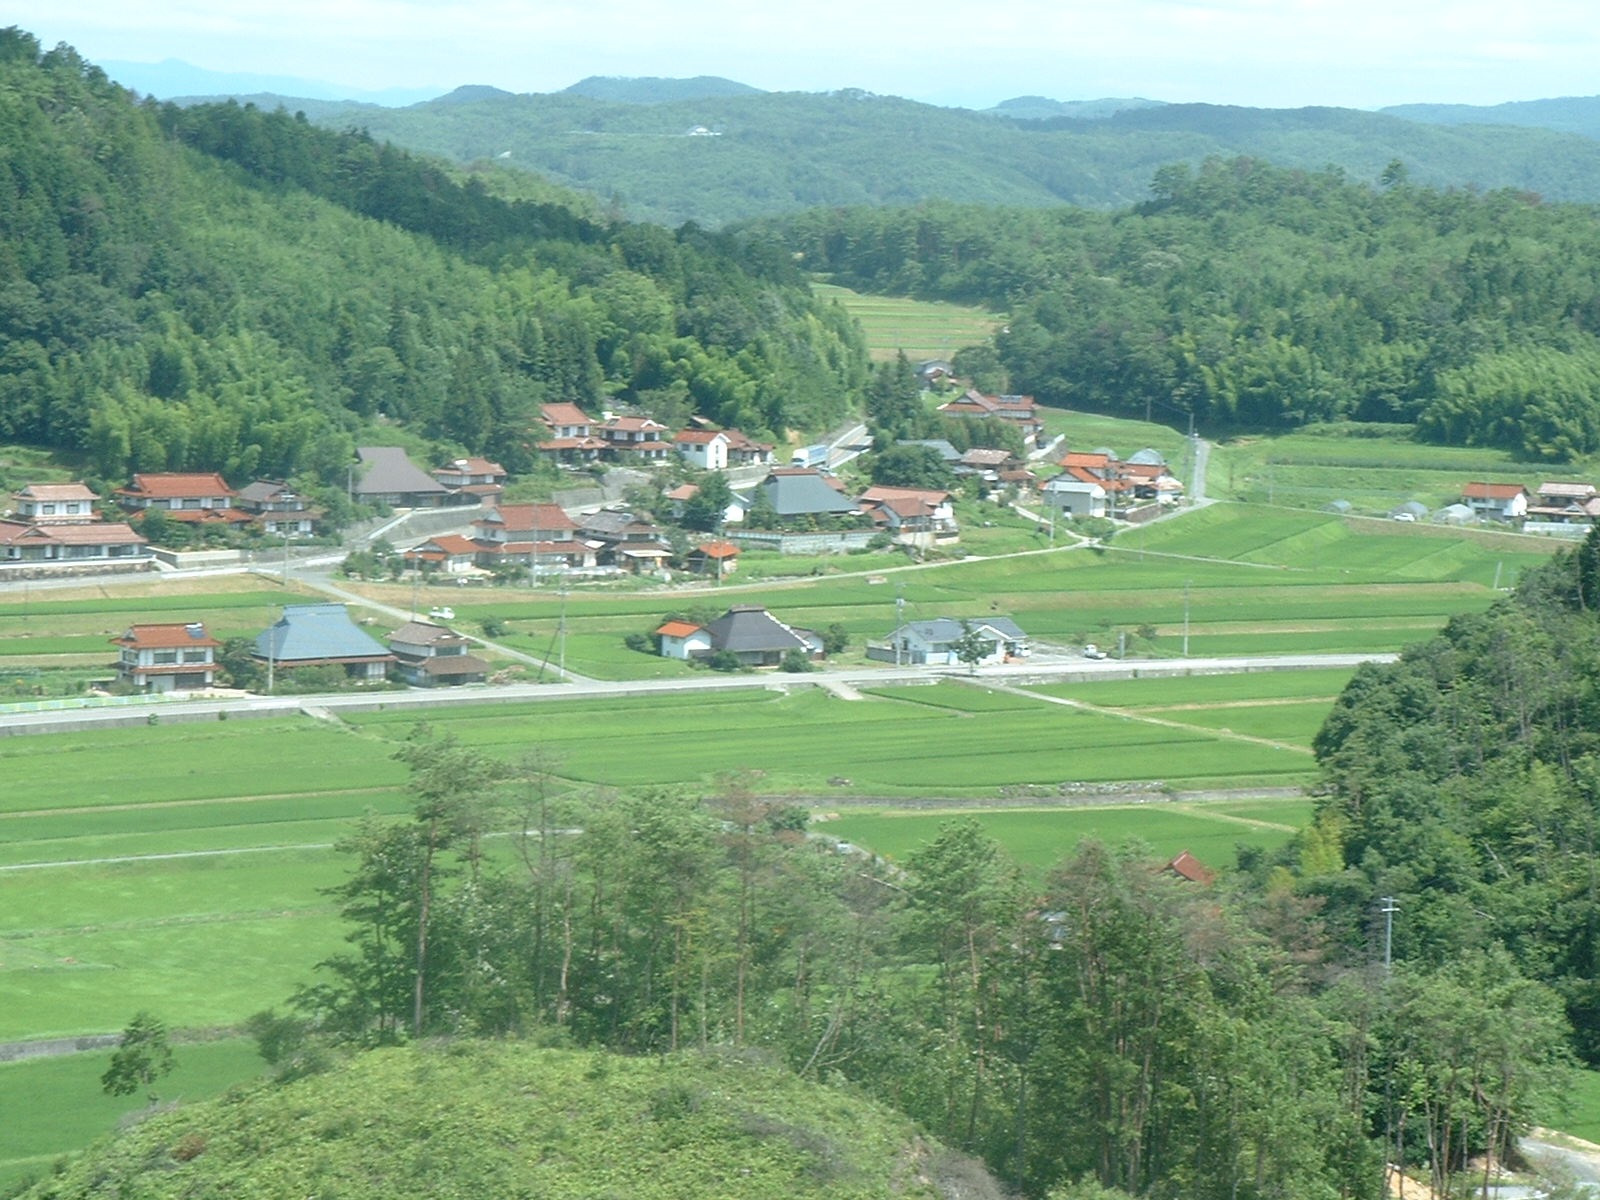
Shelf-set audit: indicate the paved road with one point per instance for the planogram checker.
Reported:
(1047, 669)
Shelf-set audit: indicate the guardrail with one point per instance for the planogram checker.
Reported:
(74, 703)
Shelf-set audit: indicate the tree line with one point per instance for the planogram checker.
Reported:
(1106, 1029)
(1253, 296)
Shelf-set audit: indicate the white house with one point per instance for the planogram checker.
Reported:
(1074, 497)
(933, 643)
(167, 657)
(1500, 501)
(703, 448)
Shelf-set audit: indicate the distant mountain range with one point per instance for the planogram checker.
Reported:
(641, 145)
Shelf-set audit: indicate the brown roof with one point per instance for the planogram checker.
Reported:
(543, 518)
(1187, 866)
(1492, 491)
(1077, 458)
(684, 491)
(633, 424)
(171, 486)
(165, 636)
(56, 491)
(698, 436)
(718, 549)
(470, 466)
(452, 543)
(933, 497)
(95, 533)
(565, 414)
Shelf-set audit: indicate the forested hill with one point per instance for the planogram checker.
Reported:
(781, 151)
(1255, 296)
(1464, 781)
(218, 288)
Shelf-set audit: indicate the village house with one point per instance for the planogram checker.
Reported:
(703, 449)
(569, 434)
(934, 643)
(54, 503)
(679, 496)
(717, 557)
(1073, 497)
(538, 536)
(1496, 501)
(449, 554)
(636, 440)
(626, 541)
(747, 631)
(387, 476)
(278, 509)
(321, 635)
(905, 512)
(193, 498)
(1020, 411)
(429, 655)
(1566, 503)
(472, 480)
(175, 657)
(77, 543)
(800, 492)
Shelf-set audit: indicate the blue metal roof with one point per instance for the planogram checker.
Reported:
(316, 631)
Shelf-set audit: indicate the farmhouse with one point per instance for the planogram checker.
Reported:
(472, 480)
(277, 508)
(908, 511)
(748, 631)
(703, 448)
(387, 476)
(797, 492)
(534, 535)
(933, 643)
(194, 499)
(1020, 411)
(635, 439)
(54, 503)
(429, 655)
(1498, 501)
(167, 657)
(1566, 503)
(569, 434)
(321, 635)
(1074, 497)
(78, 543)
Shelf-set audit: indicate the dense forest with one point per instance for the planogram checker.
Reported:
(1259, 297)
(219, 288)
(779, 152)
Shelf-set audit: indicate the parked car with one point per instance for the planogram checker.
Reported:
(442, 613)
(1093, 651)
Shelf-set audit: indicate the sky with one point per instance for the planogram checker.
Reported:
(1261, 53)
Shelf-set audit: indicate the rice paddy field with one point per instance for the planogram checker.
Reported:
(179, 868)
(920, 329)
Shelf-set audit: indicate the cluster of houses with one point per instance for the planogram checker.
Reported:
(1554, 503)
(1098, 484)
(182, 656)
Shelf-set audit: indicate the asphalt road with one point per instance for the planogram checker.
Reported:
(1047, 669)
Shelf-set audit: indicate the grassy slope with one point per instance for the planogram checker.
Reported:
(483, 1119)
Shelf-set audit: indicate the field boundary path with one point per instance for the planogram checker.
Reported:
(1145, 719)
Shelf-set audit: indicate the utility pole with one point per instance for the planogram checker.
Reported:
(1186, 584)
(899, 620)
(1388, 910)
(561, 631)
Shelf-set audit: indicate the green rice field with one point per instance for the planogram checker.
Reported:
(921, 329)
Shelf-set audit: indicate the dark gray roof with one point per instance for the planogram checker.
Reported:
(749, 627)
(315, 633)
(797, 493)
(948, 629)
(946, 451)
(387, 471)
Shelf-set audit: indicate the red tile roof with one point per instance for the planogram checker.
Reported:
(1492, 491)
(165, 636)
(170, 486)
(678, 629)
(718, 549)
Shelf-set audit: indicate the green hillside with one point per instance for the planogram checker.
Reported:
(215, 288)
(499, 1120)
(781, 151)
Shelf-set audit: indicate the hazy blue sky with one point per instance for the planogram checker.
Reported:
(1271, 53)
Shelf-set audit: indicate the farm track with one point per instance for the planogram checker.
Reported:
(81, 809)
(1126, 715)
